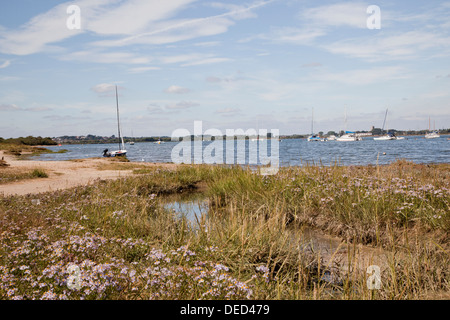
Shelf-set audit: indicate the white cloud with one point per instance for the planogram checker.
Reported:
(213, 79)
(349, 14)
(411, 44)
(176, 90)
(9, 107)
(167, 32)
(103, 87)
(289, 35)
(206, 61)
(434, 94)
(38, 33)
(38, 109)
(97, 56)
(106, 89)
(134, 16)
(182, 58)
(170, 31)
(138, 21)
(155, 109)
(142, 69)
(5, 64)
(103, 17)
(182, 105)
(227, 111)
(193, 59)
(312, 65)
(14, 107)
(8, 78)
(363, 76)
(238, 12)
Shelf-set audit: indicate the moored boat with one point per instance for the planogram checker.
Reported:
(122, 151)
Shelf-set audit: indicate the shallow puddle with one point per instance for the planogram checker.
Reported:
(193, 205)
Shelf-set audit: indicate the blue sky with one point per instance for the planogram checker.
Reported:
(231, 64)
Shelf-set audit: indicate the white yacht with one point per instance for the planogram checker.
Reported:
(122, 151)
(349, 136)
(389, 135)
(431, 134)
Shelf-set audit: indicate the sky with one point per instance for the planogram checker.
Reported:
(263, 64)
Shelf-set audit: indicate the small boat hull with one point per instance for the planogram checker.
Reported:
(118, 153)
(432, 135)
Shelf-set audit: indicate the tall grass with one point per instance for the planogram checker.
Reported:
(250, 246)
(8, 174)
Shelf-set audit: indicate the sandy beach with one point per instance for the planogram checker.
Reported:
(61, 174)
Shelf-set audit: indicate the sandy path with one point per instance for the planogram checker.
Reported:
(62, 174)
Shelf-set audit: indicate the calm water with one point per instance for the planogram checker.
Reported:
(292, 152)
(192, 205)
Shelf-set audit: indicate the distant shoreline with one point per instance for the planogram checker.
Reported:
(281, 137)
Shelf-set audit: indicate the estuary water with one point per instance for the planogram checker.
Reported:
(289, 152)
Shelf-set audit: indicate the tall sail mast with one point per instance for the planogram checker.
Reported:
(384, 122)
(118, 120)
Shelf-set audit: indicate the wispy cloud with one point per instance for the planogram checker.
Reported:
(177, 90)
(363, 76)
(192, 59)
(9, 107)
(138, 21)
(142, 69)
(289, 35)
(182, 105)
(106, 89)
(350, 14)
(96, 56)
(312, 65)
(8, 78)
(38, 109)
(5, 64)
(163, 33)
(206, 61)
(37, 34)
(228, 111)
(406, 45)
(14, 107)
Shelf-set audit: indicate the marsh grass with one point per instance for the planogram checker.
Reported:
(127, 246)
(24, 152)
(8, 174)
(39, 173)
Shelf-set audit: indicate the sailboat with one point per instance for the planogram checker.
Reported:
(431, 134)
(349, 135)
(131, 142)
(388, 135)
(122, 151)
(159, 141)
(258, 138)
(313, 137)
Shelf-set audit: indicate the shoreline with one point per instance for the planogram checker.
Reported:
(62, 174)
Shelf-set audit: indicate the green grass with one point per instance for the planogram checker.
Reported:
(25, 151)
(127, 246)
(8, 174)
(39, 173)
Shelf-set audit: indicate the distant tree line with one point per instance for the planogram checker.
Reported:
(29, 141)
(93, 139)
